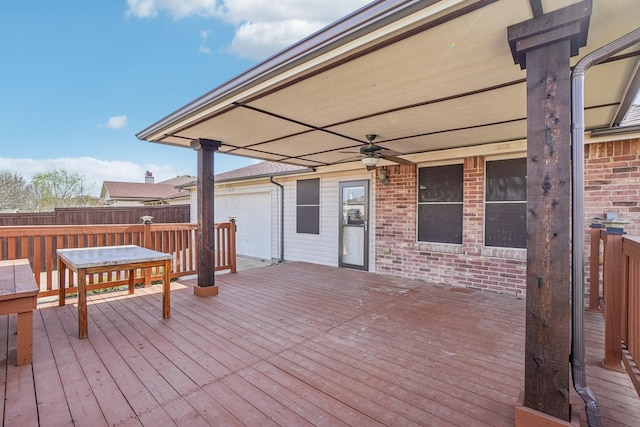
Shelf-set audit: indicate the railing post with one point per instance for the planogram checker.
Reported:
(148, 243)
(612, 278)
(232, 244)
(594, 267)
(624, 292)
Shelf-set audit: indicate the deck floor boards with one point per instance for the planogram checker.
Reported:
(290, 345)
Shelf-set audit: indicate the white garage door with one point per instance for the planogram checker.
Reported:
(253, 216)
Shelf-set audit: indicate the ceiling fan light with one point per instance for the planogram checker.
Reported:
(370, 161)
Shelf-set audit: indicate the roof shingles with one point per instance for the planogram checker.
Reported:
(261, 169)
(139, 190)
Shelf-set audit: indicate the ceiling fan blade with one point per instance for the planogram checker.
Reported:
(350, 159)
(396, 159)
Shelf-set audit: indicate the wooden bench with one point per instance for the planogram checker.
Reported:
(18, 295)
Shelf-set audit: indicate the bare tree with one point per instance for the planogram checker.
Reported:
(15, 192)
(58, 188)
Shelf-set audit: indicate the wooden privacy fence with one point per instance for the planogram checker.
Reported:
(99, 215)
(39, 244)
(618, 298)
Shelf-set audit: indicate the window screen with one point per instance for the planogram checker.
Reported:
(440, 190)
(506, 203)
(308, 206)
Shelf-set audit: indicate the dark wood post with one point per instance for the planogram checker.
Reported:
(543, 46)
(206, 234)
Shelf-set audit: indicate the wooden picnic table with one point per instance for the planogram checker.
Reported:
(86, 261)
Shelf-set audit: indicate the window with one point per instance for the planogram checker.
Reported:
(506, 204)
(308, 206)
(440, 204)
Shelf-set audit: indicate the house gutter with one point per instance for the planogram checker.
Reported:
(578, 359)
(281, 260)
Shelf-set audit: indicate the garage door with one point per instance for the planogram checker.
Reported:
(253, 216)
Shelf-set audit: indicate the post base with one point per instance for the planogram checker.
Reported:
(527, 417)
(615, 366)
(205, 291)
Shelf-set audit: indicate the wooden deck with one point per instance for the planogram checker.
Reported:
(290, 345)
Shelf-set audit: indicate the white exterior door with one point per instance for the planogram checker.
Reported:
(253, 217)
(354, 225)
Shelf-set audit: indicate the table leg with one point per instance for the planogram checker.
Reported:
(82, 303)
(61, 281)
(25, 338)
(166, 290)
(132, 276)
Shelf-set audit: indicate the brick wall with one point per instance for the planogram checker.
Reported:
(612, 183)
(471, 265)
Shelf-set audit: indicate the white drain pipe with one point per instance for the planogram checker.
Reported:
(578, 359)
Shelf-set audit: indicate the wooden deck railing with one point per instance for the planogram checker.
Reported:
(39, 244)
(618, 298)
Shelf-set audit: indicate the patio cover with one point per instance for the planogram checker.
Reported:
(423, 75)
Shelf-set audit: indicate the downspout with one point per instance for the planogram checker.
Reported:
(281, 259)
(578, 359)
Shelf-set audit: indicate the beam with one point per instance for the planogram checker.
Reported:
(206, 149)
(543, 46)
(536, 8)
(548, 29)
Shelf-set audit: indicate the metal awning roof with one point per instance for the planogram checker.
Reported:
(422, 75)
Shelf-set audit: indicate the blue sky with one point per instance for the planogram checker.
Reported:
(78, 79)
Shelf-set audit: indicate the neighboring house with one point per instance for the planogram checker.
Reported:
(117, 193)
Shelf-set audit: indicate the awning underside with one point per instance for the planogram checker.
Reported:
(452, 85)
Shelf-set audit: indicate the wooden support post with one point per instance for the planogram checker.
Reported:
(594, 269)
(612, 277)
(544, 46)
(206, 233)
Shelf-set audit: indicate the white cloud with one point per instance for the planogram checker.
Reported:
(205, 50)
(177, 8)
(263, 27)
(204, 34)
(95, 171)
(261, 39)
(116, 122)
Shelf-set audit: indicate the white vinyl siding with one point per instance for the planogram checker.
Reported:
(320, 248)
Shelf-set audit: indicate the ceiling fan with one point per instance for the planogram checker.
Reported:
(373, 153)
